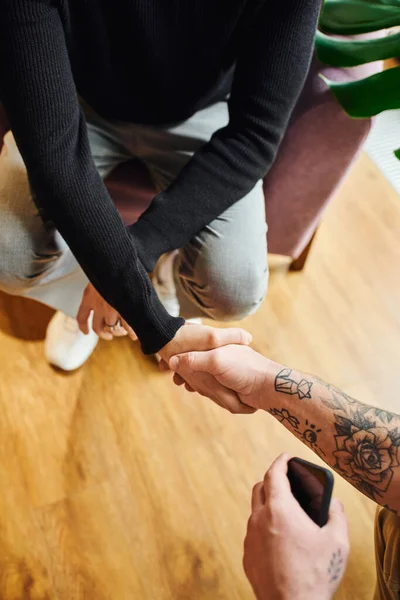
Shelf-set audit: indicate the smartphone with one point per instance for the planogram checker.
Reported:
(312, 487)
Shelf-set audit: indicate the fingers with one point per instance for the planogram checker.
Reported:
(258, 497)
(108, 325)
(129, 331)
(217, 362)
(232, 335)
(337, 521)
(203, 338)
(83, 316)
(229, 400)
(226, 398)
(99, 324)
(215, 338)
(205, 362)
(206, 385)
(105, 317)
(276, 482)
(178, 380)
(118, 330)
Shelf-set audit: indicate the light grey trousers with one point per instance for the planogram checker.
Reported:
(222, 273)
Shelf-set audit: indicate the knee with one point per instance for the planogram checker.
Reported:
(28, 248)
(234, 300)
(21, 267)
(18, 227)
(17, 272)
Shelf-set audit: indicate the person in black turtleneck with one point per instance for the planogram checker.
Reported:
(201, 91)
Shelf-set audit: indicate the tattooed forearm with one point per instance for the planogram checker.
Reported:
(336, 565)
(361, 442)
(284, 415)
(339, 399)
(367, 450)
(306, 431)
(286, 384)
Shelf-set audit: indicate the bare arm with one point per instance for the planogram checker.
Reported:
(361, 442)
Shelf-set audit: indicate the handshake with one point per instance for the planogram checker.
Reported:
(218, 364)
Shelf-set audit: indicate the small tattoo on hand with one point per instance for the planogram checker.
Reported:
(335, 566)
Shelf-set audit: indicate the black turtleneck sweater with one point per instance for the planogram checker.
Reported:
(155, 62)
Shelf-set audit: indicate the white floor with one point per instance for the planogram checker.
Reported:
(381, 143)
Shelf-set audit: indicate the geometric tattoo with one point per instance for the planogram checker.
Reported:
(284, 415)
(285, 384)
(335, 566)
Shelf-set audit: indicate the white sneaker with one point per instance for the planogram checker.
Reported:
(66, 347)
(164, 285)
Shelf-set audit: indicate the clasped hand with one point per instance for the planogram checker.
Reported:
(206, 339)
(188, 339)
(235, 367)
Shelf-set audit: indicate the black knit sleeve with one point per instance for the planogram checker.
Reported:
(39, 95)
(274, 59)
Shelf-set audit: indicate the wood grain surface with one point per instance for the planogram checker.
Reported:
(115, 485)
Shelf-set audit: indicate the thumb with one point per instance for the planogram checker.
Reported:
(205, 362)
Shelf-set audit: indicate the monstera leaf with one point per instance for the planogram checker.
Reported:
(350, 53)
(371, 96)
(375, 94)
(352, 17)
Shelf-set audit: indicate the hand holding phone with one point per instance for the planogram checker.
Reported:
(312, 487)
(286, 555)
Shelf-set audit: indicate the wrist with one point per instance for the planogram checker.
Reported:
(173, 347)
(168, 352)
(150, 240)
(262, 397)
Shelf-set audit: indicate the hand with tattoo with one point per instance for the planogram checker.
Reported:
(361, 442)
(286, 555)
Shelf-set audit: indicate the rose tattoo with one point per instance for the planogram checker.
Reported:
(367, 449)
(367, 456)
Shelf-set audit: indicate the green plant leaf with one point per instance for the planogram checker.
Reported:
(385, 2)
(348, 53)
(397, 153)
(370, 96)
(352, 17)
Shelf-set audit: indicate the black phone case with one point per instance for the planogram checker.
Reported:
(328, 489)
